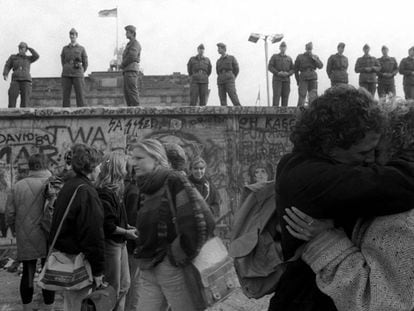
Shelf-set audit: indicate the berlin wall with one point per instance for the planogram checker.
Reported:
(231, 139)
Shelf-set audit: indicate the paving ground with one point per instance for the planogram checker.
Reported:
(10, 299)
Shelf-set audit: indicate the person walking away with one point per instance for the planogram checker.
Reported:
(305, 74)
(130, 66)
(25, 210)
(281, 65)
(386, 74)
(161, 251)
(21, 79)
(110, 187)
(83, 228)
(199, 69)
(337, 66)
(227, 69)
(74, 63)
(367, 66)
(406, 68)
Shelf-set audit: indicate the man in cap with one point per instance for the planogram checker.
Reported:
(337, 66)
(21, 80)
(74, 62)
(227, 70)
(305, 74)
(199, 69)
(386, 74)
(407, 70)
(130, 66)
(282, 68)
(367, 66)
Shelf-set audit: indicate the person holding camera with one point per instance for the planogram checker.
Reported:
(74, 62)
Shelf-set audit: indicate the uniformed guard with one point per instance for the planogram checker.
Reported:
(199, 69)
(74, 62)
(305, 74)
(21, 80)
(282, 68)
(367, 66)
(386, 74)
(131, 58)
(337, 66)
(227, 70)
(407, 70)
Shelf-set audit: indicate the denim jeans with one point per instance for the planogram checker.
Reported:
(161, 286)
(117, 270)
(131, 301)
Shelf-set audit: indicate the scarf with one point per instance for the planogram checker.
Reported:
(152, 182)
(202, 185)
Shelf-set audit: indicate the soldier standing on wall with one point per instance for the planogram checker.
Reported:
(337, 66)
(407, 69)
(282, 68)
(305, 74)
(21, 80)
(389, 68)
(130, 66)
(74, 62)
(367, 66)
(199, 69)
(227, 70)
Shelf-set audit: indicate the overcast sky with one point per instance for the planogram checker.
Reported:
(170, 30)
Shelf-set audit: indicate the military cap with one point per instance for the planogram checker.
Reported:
(131, 28)
(366, 46)
(411, 49)
(283, 44)
(384, 47)
(221, 45)
(73, 30)
(201, 47)
(309, 45)
(23, 45)
(341, 45)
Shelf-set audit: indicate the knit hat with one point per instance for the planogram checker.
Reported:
(176, 155)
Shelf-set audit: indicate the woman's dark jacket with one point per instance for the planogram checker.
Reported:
(82, 230)
(323, 188)
(208, 192)
(114, 213)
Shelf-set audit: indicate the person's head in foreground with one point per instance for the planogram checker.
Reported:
(344, 124)
(38, 162)
(176, 156)
(261, 172)
(198, 168)
(86, 160)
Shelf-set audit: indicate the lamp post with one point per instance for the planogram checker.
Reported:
(254, 37)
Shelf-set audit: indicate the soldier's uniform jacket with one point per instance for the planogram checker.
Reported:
(388, 65)
(407, 69)
(306, 65)
(361, 66)
(337, 68)
(131, 56)
(199, 69)
(278, 63)
(20, 65)
(74, 60)
(227, 69)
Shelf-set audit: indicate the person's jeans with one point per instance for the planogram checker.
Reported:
(79, 84)
(24, 88)
(72, 299)
(309, 87)
(228, 88)
(369, 86)
(409, 91)
(131, 301)
(131, 92)
(198, 91)
(161, 286)
(385, 89)
(281, 89)
(117, 270)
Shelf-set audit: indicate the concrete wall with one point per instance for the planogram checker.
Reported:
(231, 139)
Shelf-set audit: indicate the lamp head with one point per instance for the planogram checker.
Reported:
(276, 38)
(254, 37)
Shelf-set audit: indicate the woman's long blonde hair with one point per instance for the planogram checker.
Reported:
(113, 172)
(155, 150)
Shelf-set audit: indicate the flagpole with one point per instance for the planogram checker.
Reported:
(117, 52)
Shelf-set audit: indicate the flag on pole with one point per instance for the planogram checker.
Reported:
(258, 98)
(108, 13)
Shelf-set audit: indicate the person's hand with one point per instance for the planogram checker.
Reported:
(98, 280)
(131, 234)
(131, 227)
(5, 77)
(304, 227)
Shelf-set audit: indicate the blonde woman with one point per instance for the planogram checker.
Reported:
(161, 251)
(110, 187)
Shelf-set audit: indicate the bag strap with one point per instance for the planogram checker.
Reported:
(63, 219)
(172, 208)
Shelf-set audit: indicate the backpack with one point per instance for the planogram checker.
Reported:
(51, 190)
(256, 242)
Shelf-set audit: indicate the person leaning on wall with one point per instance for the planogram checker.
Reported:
(21, 80)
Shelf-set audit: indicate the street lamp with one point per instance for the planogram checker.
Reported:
(254, 37)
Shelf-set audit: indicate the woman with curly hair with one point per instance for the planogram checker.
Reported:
(373, 269)
(331, 174)
(110, 187)
(167, 242)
